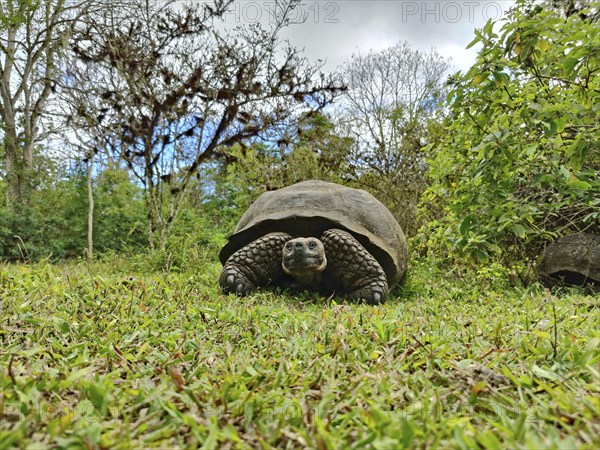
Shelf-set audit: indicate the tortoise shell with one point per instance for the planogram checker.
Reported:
(572, 259)
(311, 207)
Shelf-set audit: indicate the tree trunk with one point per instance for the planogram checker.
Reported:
(153, 221)
(13, 192)
(90, 227)
(13, 168)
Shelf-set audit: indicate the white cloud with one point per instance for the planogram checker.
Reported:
(333, 30)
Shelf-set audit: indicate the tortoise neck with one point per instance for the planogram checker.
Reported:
(309, 279)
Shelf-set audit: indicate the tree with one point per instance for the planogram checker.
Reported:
(312, 151)
(520, 161)
(33, 35)
(390, 107)
(175, 91)
(320, 139)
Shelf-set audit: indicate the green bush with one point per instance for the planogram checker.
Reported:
(520, 163)
(119, 213)
(54, 223)
(51, 225)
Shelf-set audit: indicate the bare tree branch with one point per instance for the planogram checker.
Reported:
(391, 100)
(176, 90)
(33, 36)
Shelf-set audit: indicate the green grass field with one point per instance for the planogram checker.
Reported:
(95, 358)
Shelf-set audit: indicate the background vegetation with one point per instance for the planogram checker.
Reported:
(520, 160)
(123, 173)
(500, 159)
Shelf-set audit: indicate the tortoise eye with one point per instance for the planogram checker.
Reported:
(312, 245)
(288, 246)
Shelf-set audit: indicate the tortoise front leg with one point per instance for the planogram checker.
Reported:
(354, 268)
(257, 264)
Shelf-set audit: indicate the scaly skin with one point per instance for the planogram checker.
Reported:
(354, 268)
(255, 265)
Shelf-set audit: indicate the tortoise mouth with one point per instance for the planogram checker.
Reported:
(304, 265)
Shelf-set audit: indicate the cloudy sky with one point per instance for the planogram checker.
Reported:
(334, 30)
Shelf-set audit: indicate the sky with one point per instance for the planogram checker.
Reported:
(334, 30)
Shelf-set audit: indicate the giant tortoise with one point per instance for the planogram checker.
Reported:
(318, 236)
(573, 260)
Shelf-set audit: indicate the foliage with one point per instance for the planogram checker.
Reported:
(314, 152)
(520, 162)
(96, 358)
(390, 110)
(201, 230)
(54, 222)
(120, 218)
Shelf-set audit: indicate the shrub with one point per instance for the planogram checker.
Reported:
(520, 163)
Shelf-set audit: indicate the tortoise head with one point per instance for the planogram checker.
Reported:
(304, 259)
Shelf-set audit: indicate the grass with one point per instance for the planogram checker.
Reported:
(96, 357)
